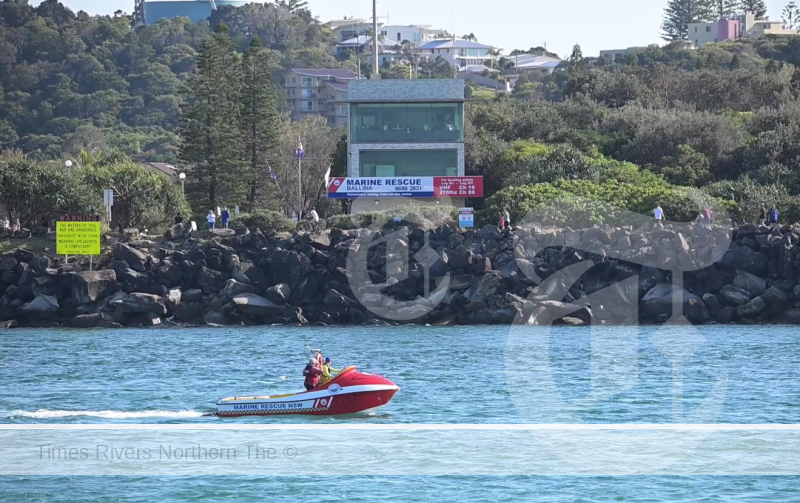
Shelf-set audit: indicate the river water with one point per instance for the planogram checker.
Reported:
(455, 375)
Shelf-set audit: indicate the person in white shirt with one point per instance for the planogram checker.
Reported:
(659, 214)
(313, 216)
(212, 219)
(6, 226)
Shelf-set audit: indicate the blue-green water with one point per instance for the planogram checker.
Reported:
(446, 375)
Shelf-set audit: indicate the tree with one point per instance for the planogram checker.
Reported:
(293, 5)
(723, 9)
(736, 62)
(470, 37)
(680, 13)
(757, 7)
(260, 119)
(211, 138)
(790, 16)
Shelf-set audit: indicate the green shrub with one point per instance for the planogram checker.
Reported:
(264, 219)
(411, 216)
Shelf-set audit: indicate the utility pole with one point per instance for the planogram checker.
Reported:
(376, 71)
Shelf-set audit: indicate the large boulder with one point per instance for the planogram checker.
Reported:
(658, 301)
(487, 285)
(43, 308)
(132, 256)
(774, 296)
(490, 232)
(255, 305)
(210, 281)
(752, 308)
(233, 288)
(289, 267)
(215, 318)
(84, 321)
(279, 294)
(8, 264)
(141, 303)
(189, 312)
(133, 281)
(89, 286)
(745, 258)
(192, 295)
(735, 295)
(750, 282)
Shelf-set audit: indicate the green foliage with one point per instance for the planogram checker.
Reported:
(265, 219)
(621, 196)
(428, 217)
(143, 198)
(680, 13)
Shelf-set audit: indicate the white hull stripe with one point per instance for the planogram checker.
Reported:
(311, 395)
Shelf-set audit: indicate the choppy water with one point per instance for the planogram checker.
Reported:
(446, 375)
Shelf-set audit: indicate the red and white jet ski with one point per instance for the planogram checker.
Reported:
(350, 392)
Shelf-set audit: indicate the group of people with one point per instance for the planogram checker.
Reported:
(10, 229)
(318, 371)
(773, 215)
(225, 218)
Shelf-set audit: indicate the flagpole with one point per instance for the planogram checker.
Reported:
(299, 180)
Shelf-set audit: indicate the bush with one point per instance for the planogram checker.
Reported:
(412, 216)
(264, 219)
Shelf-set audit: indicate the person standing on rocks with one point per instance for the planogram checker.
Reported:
(762, 217)
(773, 215)
(659, 214)
(226, 217)
(16, 226)
(6, 226)
(313, 217)
(507, 217)
(211, 219)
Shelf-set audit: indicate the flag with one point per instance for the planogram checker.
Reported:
(300, 152)
(272, 174)
(328, 177)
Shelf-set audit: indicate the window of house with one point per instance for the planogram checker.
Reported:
(307, 93)
(320, 103)
(307, 82)
(331, 96)
(309, 106)
(408, 163)
(407, 123)
(342, 109)
(708, 29)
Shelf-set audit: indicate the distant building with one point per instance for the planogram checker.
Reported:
(318, 92)
(152, 11)
(744, 26)
(543, 64)
(459, 53)
(163, 168)
(416, 35)
(404, 128)
(616, 54)
(346, 29)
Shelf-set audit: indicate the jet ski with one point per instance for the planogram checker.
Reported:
(350, 392)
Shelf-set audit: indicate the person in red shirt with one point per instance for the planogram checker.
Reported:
(312, 373)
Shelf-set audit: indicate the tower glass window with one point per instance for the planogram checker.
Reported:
(407, 123)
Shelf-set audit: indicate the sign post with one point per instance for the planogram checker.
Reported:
(466, 217)
(78, 235)
(108, 196)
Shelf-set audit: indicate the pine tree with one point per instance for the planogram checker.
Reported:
(757, 7)
(260, 118)
(211, 141)
(725, 8)
(680, 13)
(791, 16)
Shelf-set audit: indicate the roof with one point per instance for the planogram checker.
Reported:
(164, 168)
(337, 86)
(368, 40)
(325, 72)
(523, 61)
(449, 44)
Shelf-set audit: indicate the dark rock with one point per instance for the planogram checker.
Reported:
(279, 294)
(752, 308)
(83, 321)
(141, 303)
(133, 281)
(725, 315)
(289, 267)
(8, 264)
(233, 288)
(192, 295)
(743, 257)
(490, 232)
(774, 295)
(159, 290)
(41, 264)
(713, 303)
(135, 258)
(487, 285)
(790, 317)
(659, 300)
(8, 324)
(89, 286)
(735, 295)
(23, 255)
(215, 318)
(188, 312)
(9, 277)
(255, 305)
(696, 311)
(210, 281)
(460, 259)
(750, 282)
(42, 308)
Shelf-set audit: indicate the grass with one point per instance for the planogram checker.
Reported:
(483, 94)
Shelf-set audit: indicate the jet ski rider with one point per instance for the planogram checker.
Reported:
(328, 372)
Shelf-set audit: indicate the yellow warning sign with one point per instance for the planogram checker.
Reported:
(78, 238)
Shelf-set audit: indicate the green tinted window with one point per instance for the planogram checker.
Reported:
(391, 163)
(407, 123)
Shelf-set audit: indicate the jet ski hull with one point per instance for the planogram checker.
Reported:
(351, 392)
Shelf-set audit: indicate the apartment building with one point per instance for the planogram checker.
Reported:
(318, 92)
(746, 26)
(614, 55)
(416, 35)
